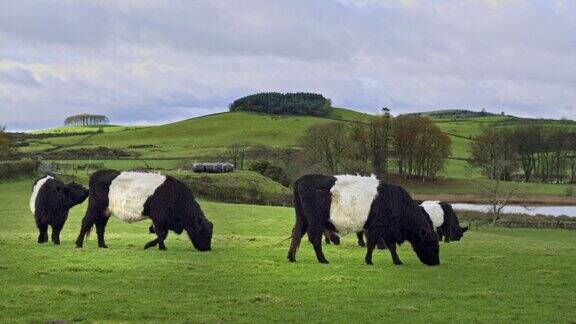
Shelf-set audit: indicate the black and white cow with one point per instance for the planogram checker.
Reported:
(444, 220)
(350, 204)
(442, 216)
(134, 196)
(50, 203)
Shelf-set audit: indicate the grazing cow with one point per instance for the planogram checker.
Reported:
(50, 202)
(134, 196)
(350, 204)
(444, 220)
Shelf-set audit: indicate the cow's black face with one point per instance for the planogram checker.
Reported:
(457, 233)
(73, 193)
(428, 249)
(201, 234)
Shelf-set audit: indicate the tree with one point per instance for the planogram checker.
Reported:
(325, 144)
(421, 148)
(86, 120)
(527, 141)
(300, 103)
(498, 195)
(379, 131)
(494, 153)
(237, 153)
(360, 144)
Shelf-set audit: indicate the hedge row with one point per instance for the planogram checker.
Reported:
(14, 169)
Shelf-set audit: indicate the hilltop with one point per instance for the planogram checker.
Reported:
(200, 135)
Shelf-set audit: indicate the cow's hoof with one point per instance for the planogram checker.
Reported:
(56, 243)
(369, 263)
(162, 249)
(323, 261)
(103, 246)
(399, 263)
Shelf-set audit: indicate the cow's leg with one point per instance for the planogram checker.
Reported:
(43, 228)
(56, 229)
(392, 249)
(161, 237)
(150, 244)
(315, 237)
(92, 213)
(100, 230)
(439, 232)
(326, 237)
(360, 236)
(331, 237)
(161, 232)
(297, 234)
(372, 239)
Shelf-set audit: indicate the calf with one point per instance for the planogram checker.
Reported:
(50, 203)
(134, 196)
(444, 220)
(349, 204)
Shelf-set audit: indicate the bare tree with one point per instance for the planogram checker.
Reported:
(237, 153)
(326, 144)
(498, 193)
(379, 131)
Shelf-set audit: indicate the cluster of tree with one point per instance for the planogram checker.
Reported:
(546, 154)
(453, 113)
(86, 120)
(419, 148)
(284, 104)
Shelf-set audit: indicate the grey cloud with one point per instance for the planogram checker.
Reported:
(157, 61)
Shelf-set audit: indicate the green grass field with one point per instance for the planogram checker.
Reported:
(490, 276)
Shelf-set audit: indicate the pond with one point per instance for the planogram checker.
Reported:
(548, 210)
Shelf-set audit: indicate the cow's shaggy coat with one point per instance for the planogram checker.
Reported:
(346, 204)
(50, 203)
(134, 196)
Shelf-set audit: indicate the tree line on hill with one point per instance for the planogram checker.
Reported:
(300, 103)
(411, 146)
(86, 120)
(540, 153)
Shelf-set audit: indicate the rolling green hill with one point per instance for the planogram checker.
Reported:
(201, 135)
(211, 134)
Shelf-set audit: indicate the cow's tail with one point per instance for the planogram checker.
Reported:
(87, 235)
(299, 226)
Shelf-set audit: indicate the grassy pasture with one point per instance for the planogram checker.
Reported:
(491, 276)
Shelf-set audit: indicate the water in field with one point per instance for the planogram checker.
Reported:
(529, 210)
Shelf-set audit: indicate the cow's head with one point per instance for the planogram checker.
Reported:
(200, 233)
(427, 248)
(73, 194)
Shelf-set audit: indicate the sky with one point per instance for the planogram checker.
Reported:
(153, 62)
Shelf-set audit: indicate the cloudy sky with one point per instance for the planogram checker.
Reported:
(155, 61)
